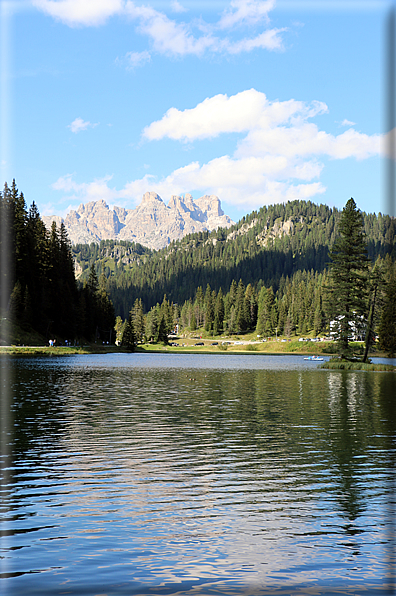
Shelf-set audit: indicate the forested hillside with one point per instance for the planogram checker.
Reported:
(39, 291)
(267, 248)
(266, 274)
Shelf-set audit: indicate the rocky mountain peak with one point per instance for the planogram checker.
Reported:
(151, 223)
(148, 197)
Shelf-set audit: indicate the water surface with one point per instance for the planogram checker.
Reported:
(197, 474)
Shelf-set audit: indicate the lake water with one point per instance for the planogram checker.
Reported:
(136, 474)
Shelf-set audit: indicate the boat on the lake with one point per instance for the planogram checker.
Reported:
(313, 358)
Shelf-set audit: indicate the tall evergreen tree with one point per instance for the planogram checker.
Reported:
(387, 326)
(348, 282)
(209, 309)
(128, 337)
(162, 331)
(218, 322)
(240, 308)
(376, 280)
(138, 320)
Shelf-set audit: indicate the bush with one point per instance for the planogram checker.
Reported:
(252, 348)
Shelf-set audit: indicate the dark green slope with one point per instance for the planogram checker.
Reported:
(274, 242)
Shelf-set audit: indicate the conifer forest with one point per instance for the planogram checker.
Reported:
(272, 273)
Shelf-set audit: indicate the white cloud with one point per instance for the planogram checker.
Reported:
(305, 139)
(346, 122)
(93, 191)
(172, 37)
(167, 36)
(246, 11)
(209, 118)
(273, 128)
(79, 124)
(246, 111)
(247, 182)
(80, 12)
(177, 39)
(268, 40)
(280, 156)
(177, 7)
(133, 60)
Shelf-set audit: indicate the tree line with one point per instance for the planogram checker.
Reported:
(272, 273)
(354, 297)
(38, 287)
(302, 305)
(264, 248)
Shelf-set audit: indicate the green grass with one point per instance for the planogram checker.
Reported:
(345, 365)
(27, 343)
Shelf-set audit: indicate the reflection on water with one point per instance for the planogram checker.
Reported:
(165, 474)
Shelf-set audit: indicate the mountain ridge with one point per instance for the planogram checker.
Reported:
(264, 247)
(151, 223)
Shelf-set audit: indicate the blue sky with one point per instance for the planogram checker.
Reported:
(255, 101)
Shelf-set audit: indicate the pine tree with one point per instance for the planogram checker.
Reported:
(193, 323)
(376, 280)
(128, 337)
(348, 282)
(105, 316)
(209, 309)
(218, 322)
(138, 320)
(152, 323)
(16, 304)
(387, 326)
(267, 316)
(162, 331)
(119, 329)
(251, 304)
(240, 307)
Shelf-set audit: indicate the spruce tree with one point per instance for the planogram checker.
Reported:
(387, 326)
(376, 281)
(219, 314)
(162, 331)
(138, 320)
(348, 278)
(128, 337)
(209, 309)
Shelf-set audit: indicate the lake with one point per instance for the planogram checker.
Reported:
(136, 474)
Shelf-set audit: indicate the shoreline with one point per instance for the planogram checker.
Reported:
(250, 350)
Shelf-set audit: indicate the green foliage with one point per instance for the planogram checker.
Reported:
(119, 329)
(348, 277)
(387, 326)
(38, 286)
(259, 250)
(222, 347)
(162, 332)
(218, 323)
(128, 340)
(368, 366)
(257, 274)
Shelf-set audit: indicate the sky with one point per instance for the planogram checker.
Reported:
(254, 101)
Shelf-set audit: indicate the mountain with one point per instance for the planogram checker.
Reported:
(264, 247)
(151, 224)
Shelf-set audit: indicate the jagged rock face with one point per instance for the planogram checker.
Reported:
(152, 223)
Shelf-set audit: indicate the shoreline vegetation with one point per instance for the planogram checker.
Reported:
(240, 346)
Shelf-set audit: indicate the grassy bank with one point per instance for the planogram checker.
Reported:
(238, 344)
(29, 351)
(344, 365)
